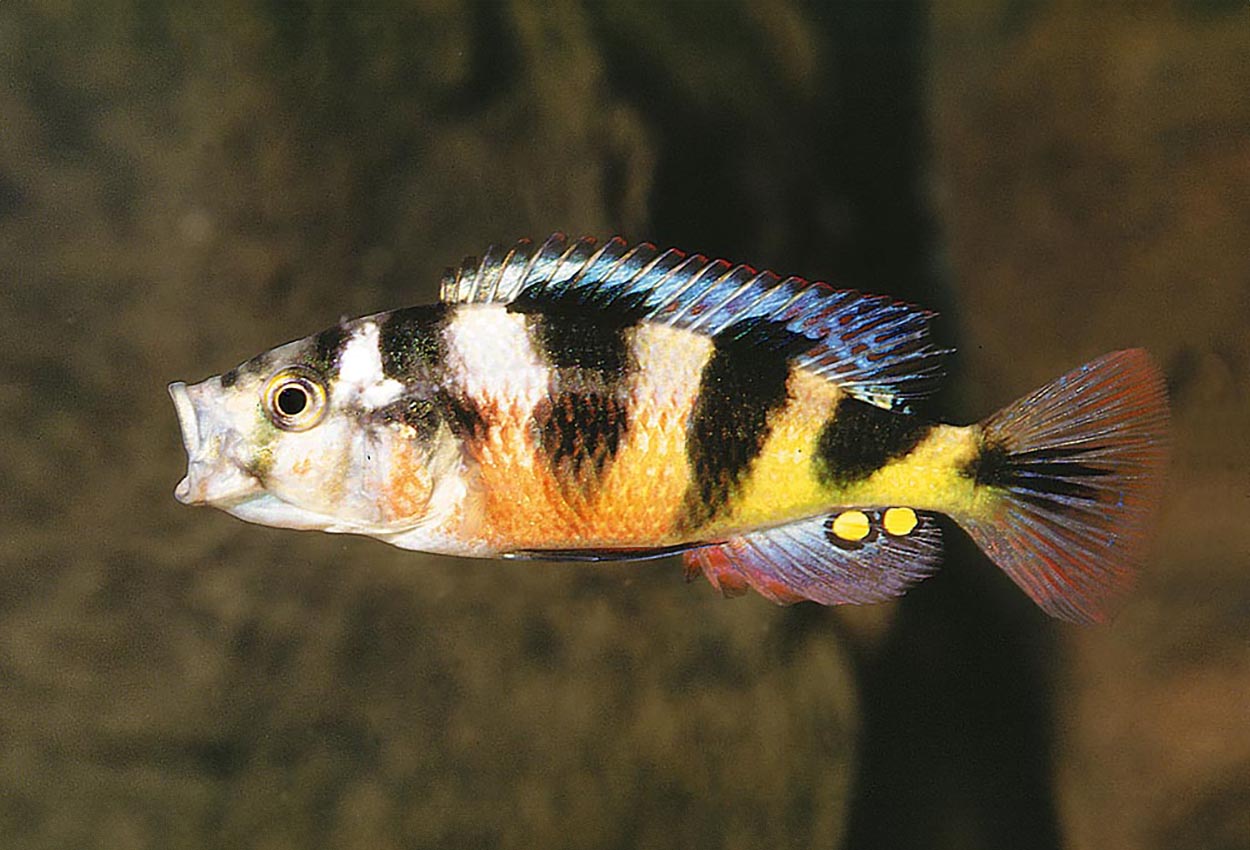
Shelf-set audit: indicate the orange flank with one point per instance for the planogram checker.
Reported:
(641, 497)
(517, 491)
(638, 497)
(531, 505)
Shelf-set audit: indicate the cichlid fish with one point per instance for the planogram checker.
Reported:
(577, 400)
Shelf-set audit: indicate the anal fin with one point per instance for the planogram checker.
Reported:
(855, 556)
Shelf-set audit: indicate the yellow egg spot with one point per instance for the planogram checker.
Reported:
(900, 521)
(851, 525)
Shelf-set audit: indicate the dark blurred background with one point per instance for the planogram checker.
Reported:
(182, 186)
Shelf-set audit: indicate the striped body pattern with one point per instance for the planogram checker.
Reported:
(585, 400)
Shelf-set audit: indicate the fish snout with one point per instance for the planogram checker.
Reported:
(189, 425)
(187, 421)
(213, 477)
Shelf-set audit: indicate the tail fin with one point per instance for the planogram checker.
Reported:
(1073, 476)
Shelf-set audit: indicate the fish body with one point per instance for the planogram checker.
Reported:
(584, 400)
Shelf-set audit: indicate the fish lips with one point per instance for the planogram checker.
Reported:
(213, 477)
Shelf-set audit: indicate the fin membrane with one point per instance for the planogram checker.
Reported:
(874, 347)
(857, 556)
(1077, 469)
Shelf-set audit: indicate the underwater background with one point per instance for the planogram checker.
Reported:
(183, 185)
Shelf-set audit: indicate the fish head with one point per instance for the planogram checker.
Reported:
(314, 434)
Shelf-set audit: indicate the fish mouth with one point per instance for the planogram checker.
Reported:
(212, 478)
(186, 417)
(189, 425)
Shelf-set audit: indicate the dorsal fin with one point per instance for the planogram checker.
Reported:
(876, 348)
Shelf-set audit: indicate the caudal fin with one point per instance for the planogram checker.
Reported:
(1072, 476)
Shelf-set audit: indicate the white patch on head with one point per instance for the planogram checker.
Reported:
(493, 358)
(361, 379)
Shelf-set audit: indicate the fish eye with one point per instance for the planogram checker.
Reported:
(292, 400)
(295, 399)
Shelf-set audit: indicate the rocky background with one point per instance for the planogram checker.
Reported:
(183, 185)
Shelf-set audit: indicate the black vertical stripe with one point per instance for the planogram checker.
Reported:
(582, 424)
(860, 438)
(462, 414)
(592, 343)
(584, 335)
(580, 433)
(413, 349)
(411, 342)
(743, 383)
(327, 347)
(609, 305)
(420, 414)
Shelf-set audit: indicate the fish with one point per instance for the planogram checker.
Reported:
(577, 399)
